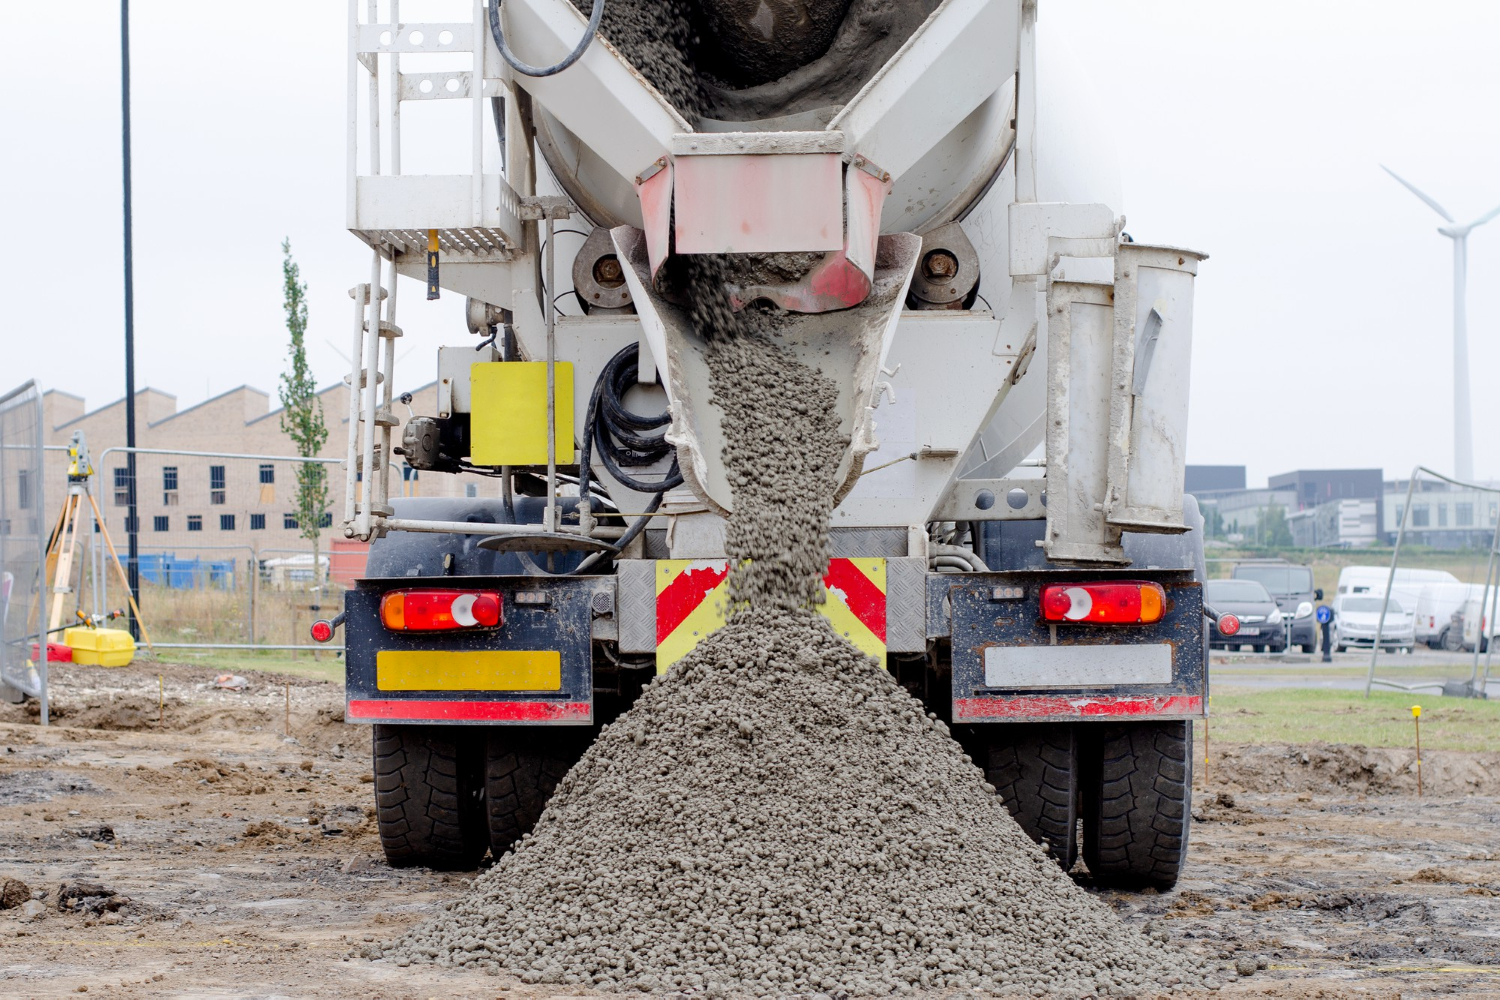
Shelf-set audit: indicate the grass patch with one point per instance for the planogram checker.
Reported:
(327, 667)
(1291, 715)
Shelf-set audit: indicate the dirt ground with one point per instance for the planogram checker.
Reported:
(244, 863)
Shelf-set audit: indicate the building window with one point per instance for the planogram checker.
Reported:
(23, 489)
(1463, 515)
(326, 521)
(1400, 513)
(216, 484)
(267, 474)
(122, 487)
(5, 526)
(471, 489)
(132, 525)
(1419, 518)
(1494, 513)
(226, 522)
(289, 522)
(169, 486)
(1442, 510)
(195, 522)
(257, 522)
(160, 523)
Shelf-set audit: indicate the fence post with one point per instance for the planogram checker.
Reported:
(1390, 580)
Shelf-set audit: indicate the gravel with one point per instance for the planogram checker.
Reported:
(775, 816)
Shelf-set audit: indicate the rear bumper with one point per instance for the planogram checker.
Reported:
(462, 677)
(1009, 665)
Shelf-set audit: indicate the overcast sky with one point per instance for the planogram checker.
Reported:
(1251, 132)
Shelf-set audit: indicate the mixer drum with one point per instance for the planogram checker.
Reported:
(757, 41)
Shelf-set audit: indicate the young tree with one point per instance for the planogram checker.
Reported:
(302, 411)
(1273, 531)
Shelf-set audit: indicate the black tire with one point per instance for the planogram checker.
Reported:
(1137, 800)
(429, 796)
(1034, 767)
(1451, 639)
(1309, 648)
(522, 769)
(1258, 649)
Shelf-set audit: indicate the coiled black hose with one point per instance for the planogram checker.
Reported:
(621, 436)
(527, 69)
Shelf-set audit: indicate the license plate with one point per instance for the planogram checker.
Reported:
(1077, 666)
(1249, 630)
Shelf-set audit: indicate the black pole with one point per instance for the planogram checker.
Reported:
(132, 525)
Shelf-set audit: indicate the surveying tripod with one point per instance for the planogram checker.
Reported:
(62, 546)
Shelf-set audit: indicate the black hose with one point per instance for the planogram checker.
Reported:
(527, 69)
(620, 435)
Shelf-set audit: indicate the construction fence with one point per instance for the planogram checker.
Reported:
(23, 526)
(223, 558)
(1406, 606)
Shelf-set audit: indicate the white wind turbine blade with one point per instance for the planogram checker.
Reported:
(1486, 217)
(1439, 209)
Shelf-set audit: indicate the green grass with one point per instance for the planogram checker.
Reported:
(1290, 715)
(327, 667)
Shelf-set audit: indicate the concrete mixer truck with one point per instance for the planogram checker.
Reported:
(920, 193)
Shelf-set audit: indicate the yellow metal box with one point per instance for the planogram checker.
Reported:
(508, 413)
(103, 647)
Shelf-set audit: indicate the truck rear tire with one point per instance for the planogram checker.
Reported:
(522, 769)
(1137, 801)
(1034, 767)
(429, 796)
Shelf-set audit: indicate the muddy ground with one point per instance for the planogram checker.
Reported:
(244, 862)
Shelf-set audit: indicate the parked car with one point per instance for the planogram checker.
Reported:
(1356, 617)
(1261, 621)
(1438, 605)
(1292, 587)
(1371, 580)
(1470, 620)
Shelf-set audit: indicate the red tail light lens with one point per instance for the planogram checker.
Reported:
(322, 631)
(1228, 624)
(436, 610)
(1104, 603)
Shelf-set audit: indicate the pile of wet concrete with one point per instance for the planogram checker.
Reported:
(776, 815)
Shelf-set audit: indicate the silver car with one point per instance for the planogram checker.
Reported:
(1356, 617)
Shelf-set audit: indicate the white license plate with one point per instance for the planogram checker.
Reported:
(1249, 630)
(1077, 666)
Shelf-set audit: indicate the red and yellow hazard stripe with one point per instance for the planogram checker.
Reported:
(691, 595)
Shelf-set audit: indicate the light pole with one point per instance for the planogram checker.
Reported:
(1463, 417)
(132, 516)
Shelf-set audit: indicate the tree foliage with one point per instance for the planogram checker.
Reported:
(302, 410)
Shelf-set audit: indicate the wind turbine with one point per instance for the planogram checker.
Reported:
(1463, 419)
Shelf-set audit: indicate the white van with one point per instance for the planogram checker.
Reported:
(1471, 620)
(1406, 589)
(1437, 603)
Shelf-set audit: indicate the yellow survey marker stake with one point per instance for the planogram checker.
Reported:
(1416, 718)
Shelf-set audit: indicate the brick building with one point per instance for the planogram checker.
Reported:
(220, 508)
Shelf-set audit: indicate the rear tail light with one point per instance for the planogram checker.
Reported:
(1228, 624)
(436, 610)
(1104, 603)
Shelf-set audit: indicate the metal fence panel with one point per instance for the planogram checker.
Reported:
(222, 555)
(23, 540)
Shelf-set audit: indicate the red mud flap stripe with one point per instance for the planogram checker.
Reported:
(1074, 706)
(468, 711)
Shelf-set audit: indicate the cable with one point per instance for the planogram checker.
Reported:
(526, 68)
(619, 434)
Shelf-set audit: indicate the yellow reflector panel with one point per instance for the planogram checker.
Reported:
(479, 670)
(508, 403)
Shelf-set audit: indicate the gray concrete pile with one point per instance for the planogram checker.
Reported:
(776, 815)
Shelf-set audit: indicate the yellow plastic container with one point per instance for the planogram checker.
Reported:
(104, 647)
